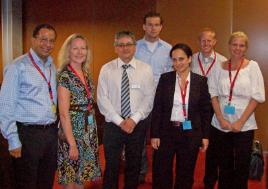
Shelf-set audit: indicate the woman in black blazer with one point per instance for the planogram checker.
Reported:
(180, 121)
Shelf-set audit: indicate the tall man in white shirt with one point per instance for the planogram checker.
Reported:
(125, 96)
(155, 52)
(204, 63)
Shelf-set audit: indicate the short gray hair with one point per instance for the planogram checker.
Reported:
(121, 34)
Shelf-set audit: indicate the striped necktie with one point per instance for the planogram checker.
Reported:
(125, 97)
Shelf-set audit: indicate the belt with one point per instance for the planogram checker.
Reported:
(37, 126)
(176, 123)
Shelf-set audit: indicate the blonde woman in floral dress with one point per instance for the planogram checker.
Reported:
(78, 159)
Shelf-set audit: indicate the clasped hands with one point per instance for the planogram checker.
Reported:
(128, 125)
(234, 127)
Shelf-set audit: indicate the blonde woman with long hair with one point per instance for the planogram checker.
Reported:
(78, 159)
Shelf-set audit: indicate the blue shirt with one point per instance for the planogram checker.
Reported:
(24, 96)
(158, 59)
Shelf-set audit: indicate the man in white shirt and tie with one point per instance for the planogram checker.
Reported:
(125, 96)
(204, 63)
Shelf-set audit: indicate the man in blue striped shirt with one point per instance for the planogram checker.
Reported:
(155, 52)
(28, 112)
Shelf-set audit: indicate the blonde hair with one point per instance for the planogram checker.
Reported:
(238, 34)
(207, 30)
(63, 56)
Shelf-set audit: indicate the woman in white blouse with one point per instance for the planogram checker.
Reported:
(236, 89)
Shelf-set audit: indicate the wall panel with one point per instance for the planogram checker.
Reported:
(185, 18)
(97, 20)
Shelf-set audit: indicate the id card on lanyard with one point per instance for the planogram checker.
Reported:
(229, 108)
(53, 106)
(90, 119)
(211, 65)
(186, 125)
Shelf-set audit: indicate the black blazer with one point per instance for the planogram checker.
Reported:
(198, 112)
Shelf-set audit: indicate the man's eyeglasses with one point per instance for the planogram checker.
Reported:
(122, 45)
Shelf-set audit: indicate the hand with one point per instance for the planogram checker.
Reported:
(128, 125)
(16, 153)
(73, 152)
(225, 124)
(204, 146)
(155, 143)
(236, 126)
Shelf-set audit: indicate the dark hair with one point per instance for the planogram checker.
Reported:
(41, 26)
(152, 14)
(121, 34)
(187, 50)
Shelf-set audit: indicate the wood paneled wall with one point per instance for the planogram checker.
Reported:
(184, 19)
(98, 20)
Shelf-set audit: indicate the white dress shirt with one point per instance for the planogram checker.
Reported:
(206, 62)
(248, 85)
(177, 111)
(142, 90)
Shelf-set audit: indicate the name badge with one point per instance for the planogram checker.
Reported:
(90, 119)
(186, 125)
(229, 109)
(135, 86)
(53, 109)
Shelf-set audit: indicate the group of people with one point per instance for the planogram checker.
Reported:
(189, 102)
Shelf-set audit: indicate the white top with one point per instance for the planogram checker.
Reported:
(177, 112)
(206, 62)
(151, 45)
(248, 85)
(142, 90)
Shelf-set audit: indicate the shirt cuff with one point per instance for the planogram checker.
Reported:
(14, 142)
(136, 117)
(117, 119)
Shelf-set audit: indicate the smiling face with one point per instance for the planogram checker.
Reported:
(125, 48)
(78, 51)
(238, 47)
(43, 43)
(152, 28)
(207, 42)
(181, 62)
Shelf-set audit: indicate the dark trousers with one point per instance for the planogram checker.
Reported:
(233, 152)
(186, 149)
(113, 140)
(6, 168)
(212, 164)
(36, 168)
(144, 160)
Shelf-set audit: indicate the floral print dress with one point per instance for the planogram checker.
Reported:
(87, 167)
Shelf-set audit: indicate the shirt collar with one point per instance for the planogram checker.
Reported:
(132, 63)
(39, 61)
(210, 58)
(160, 42)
